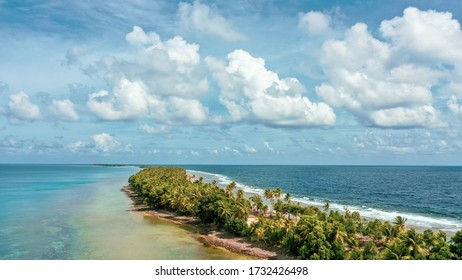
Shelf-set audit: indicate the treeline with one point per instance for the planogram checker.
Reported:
(305, 232)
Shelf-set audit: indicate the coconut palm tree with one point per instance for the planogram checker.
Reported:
(257, 203)
(414, 243)
(288, 198)
(269, 194)
(240, 194)
(400, 224)
(277, 193)
(230, 189)
(224, 210)
(339, 234)
(326, 207)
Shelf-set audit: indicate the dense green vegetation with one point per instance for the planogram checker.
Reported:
(306, 232)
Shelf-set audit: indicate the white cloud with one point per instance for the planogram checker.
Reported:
(429, 34)
(163, 82)
(64, 110)
(405, 142)
(454, 105)
(105, 142)
(268, 146)
(188, 109)
(129, 100)
(315, 23)
(204, 19)
(366, 78)
(406, 117)
(232, 150)
(14, 145)
(145, 128)
(139, 37)
(76, 146)
(251, 92)
(20, 107)
(454, 88)
(249, 149)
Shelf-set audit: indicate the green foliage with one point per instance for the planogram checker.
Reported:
(307, 232)
(456, 245)
(237, 226)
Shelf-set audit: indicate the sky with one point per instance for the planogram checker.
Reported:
(231, 82)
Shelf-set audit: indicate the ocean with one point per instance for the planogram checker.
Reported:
(63, 212)
(78, 211)
(428, 196)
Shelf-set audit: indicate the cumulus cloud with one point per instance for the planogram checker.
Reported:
(64, 110)
(129, 100)
(315, 23)
(163, 82)
(138, 37)
(251, 92)
(105, 142)
(187, 109)
(371, 78)
(406, 117)
(429, 34)
(206, 20)
(20, 107)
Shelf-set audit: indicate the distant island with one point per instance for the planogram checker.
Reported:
(276, 223)
(109, 164)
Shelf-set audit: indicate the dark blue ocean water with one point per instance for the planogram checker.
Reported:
(426, 196)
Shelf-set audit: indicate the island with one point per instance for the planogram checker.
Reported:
(281, 228)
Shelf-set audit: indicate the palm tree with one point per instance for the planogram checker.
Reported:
(326, 206)
(388, 231)
(413, 241)
(224, 211)
(260, 234)
(269, 194)
(257, 203)
(240, 194)
(241, 209)
(288, 198)
(340, 235)
(265, 208)
(230, 189)
(400, 224)
(277, 193)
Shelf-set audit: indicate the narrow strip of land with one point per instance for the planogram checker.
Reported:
(208, 235)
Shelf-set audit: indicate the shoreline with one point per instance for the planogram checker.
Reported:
(193, 175)
(208, 235)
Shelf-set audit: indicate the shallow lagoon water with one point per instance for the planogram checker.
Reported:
(79, 212)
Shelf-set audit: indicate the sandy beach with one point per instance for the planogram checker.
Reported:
(207, 234)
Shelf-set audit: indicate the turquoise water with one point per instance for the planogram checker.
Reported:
(428, 196)
(78, 212)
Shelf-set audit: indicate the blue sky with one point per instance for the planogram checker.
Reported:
(231, 82)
